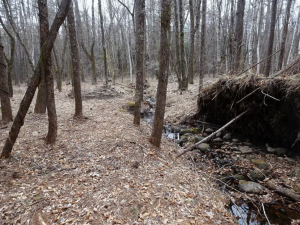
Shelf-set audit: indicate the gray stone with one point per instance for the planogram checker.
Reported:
(183, 139)
(248, 143)
(219, 134)
(203, 147)
(196, 139)
(239, 177)
(235, 140)
(260, 164)
(256, 175)
(209, 130)
(245, 149)
(196, 130)
(227, 136)
(185, 131)
(271, 150)
(280, 151)
(251, 187)
(217, 140)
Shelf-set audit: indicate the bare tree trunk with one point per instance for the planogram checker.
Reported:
(202, 46)
(79, 32)
(4, 91)
(271, 37)
(177, 46)
(259, 24)
(41, 99)
(161, 94)
(103, 43)
(35, 80)
(184, 81)
(295, 33)
(10, 61)
(139, 48)
(75, 62)
(239, 30)
(193, 31)
(231, 37)
(219, 4)
(284, 34)
(47, 74)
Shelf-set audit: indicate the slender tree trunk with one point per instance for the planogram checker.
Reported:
(103, 43)
(48, 75)
(231, 37)
(129, 58)
(10, 61)
(35, 80)
(79, 32)
(177, 46)
(184, 84)
(292, 47)
(271, 37)
(193, 31)
(284, 34)
(219, 4)
(139, 48)
(41, 99)
(259, 24)
(239, 30)
(4, 90)
(75, 62)
(202, 46)
(161, 94)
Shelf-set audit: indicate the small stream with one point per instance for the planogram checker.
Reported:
(245, 213)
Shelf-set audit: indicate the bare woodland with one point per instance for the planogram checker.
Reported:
(70, 70)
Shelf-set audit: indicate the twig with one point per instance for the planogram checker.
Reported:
(265, 213)
(270, 96)
(247, 95)
(258, 63)
(213, 134)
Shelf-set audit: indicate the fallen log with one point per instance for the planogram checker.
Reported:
(286, 192)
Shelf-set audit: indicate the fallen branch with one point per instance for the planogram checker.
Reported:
(213, 134)
(265, 214)
(247, 95)
(289, 193)
(258, 63)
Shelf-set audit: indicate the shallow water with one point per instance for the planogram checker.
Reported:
(248, 214)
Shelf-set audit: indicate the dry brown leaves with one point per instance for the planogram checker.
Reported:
(102, 169)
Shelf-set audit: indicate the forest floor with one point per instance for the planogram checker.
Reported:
(102, 169)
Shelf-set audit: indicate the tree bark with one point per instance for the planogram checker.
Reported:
(75, 62)
(161, 94)
(193, 31)
(284, 34)
(35, 80)
(184, 79)
(103, 43)
(239, 30)
(271, 37)
(139, 48)
(47, 74)
(4, 90)
(202, 46)
(10, 61)
(177, 46)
